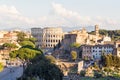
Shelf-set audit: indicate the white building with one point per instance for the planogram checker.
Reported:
(2, 33)
(98, 50)
(105, 39)
(95, 51)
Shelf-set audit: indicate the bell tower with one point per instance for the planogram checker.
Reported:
(96, 30)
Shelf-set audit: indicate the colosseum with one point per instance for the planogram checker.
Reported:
(47, 37)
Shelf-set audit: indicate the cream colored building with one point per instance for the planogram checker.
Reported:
(47, 37)
(81, 37)
(117, 48)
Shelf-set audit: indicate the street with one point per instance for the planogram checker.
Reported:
(11, 73)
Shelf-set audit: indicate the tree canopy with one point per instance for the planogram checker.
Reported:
(110, 60)
(114, 34)
(27, 43)
(1, 67)
(50, 58)
(74, 55)
(13, 54)
(21, 36)
(43, 68)
(32, 39)
(9, 45)
(75, 45)
(39, 65)
(25, 53)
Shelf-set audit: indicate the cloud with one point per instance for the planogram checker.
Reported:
(8, 10)
(73, 18)
(60, 10)
(10, 16)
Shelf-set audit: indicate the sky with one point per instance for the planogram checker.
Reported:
(57, 13)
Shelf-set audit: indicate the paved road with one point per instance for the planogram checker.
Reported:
(11, 73)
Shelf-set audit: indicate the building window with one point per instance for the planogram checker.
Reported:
(48, 45)
(48, 40)
(119, 45)
(56, 41)
(93, 56)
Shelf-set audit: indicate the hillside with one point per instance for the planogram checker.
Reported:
(114, 34)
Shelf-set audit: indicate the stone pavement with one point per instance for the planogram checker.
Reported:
(11, 73)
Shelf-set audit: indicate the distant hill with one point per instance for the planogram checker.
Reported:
(16, 28)
(67, 29)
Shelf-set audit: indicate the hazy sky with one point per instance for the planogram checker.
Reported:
(70, 13)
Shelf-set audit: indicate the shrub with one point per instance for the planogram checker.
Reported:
(82, 73)
(97, 74)
(1, 67)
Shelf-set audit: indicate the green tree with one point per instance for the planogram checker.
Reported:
(116, 61)
(32, 40)
(43, 68)
(1, 67)
(27, 53)
(107, 61)
(9, 46)
(82, 73)
(103, 32)
(13, 54)
(108, 70)
(95, 65)
(110, 60)
(21, 36)
(38, 64)
(27, 44)
(97, 74)
(76, 45)
(114, 34)
(74, 55)
(51, 58)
